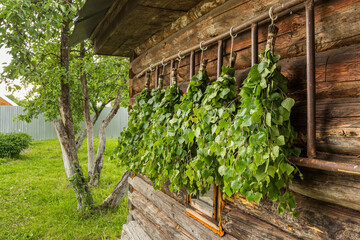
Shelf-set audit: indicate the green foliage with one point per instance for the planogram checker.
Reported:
(15, 100)
(152, 162)
(147, 123)
(169, 151)
(254, 150)
(34, 43)
(213, 114)
(37, 202)
(11, 144)
(130, 138)
(242, 145)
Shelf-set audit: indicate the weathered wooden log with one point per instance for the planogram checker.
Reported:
(148, 226)
(118, 194)
(173, 209)
(124, 235)
(179, 196)
(129, 217)
(333, 187)
(244, 226)
(318, 220)
(134, 232)
(158, 217)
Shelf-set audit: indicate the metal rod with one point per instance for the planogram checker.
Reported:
(172, 65)
(310, 78)
(157, 77)
(254, 44)
(215, 199)
(326, 165)
(225, 35)
(219, 58)
(218, 204)
(192, 64)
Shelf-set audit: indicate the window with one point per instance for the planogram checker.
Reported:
(206, 208)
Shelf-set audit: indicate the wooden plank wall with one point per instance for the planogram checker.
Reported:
(329, 202)
(337, 62)
(162, 217)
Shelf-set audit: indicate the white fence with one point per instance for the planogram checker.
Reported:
(41, 130)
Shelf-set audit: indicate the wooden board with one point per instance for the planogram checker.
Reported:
(150, 228)
(244, 226)
(318, 220)
(178, 196)
(159, 218)
(133, 231)
(336, 188)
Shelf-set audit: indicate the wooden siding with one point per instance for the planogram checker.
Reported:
(337, 63)
(149, 202)
(162, 217)
(4, 102)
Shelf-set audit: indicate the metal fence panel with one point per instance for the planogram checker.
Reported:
(41, 130)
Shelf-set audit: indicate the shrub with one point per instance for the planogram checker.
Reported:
(11, 144)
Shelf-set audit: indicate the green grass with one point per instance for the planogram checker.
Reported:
(37, 202)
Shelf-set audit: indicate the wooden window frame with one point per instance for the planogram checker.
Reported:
(214, 222)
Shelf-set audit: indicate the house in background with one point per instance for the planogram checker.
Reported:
(5, 101)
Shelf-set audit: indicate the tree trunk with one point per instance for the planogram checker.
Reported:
(72, 168)
(83, 133)
(95, 177)
(87, 118)
(65, 127)
(118, 194)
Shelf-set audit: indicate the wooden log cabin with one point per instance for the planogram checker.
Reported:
(318, 41)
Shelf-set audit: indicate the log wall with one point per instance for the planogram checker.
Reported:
(329, 202)
(337, 62)
(162, 217)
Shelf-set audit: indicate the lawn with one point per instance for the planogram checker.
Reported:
(37, 202)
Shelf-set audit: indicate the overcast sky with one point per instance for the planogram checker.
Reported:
(4, 57)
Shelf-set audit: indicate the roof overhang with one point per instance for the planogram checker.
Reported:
(88, 18)
(117, 27)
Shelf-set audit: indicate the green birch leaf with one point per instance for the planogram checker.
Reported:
(281, 140)
(191, 136)
(288, 103)
(268, 119)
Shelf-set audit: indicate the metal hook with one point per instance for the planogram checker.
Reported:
(151, 68)
(162, 62)
(201, 47)
(179, 55)
(231, 32)
(271, 15)
(232, 40)
(164, 65)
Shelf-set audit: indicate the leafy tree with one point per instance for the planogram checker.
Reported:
(15, 100)
(67, 81)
